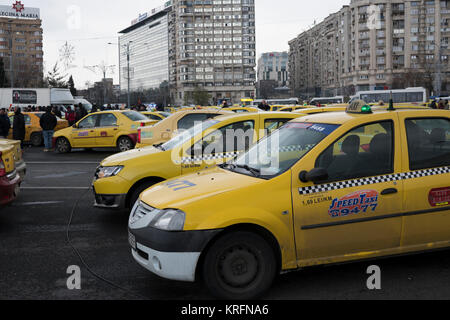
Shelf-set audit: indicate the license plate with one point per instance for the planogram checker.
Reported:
(132, 241)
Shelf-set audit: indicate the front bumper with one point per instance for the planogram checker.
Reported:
(170, 255)
(110, 193)
(109, 201)
(9, 188)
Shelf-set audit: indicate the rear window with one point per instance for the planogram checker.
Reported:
(135, 116)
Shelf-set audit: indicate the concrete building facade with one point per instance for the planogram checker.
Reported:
(212, 48)
(374, 45)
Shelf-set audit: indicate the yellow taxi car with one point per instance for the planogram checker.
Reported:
(164, 130)
(242, 109)
(20, 164)
(121, 178)
(292, 108)
(310, 194)
(102, 130)
(33, 130)
(9, 178)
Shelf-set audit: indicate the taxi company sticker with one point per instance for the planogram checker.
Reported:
(104, 134)
(439, 197)
(354, 203)
(178, 184)
(83, 134)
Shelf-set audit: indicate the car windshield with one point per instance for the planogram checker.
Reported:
(188, 134)
(277, 153)
(165, 114)
(135, 116)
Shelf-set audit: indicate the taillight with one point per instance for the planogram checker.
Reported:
(2, 167)
(142, 124)
(139, 135)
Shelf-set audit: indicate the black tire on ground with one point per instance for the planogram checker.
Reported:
(137, 192)
(63, 145)
(125, 144)
(239, 266)
(37, 139)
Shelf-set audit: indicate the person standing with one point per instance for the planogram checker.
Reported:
(5, 124)
(48, 123)
(19, 126)
(70, 116)
(264, 106)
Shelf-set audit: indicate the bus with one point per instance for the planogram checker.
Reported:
(278, 102)
(408, 95)
(327, 100)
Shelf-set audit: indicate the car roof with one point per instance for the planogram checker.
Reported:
(342, 117)
(244, 116)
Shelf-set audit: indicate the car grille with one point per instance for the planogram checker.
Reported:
(143, 211)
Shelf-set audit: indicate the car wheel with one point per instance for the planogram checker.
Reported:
(137, 192)
(63, 145)
(36, 139)
(124, 144)
(240, 265)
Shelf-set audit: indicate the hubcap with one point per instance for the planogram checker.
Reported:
(124, 145)
(238, 266)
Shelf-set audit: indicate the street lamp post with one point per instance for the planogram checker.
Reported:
(127, 46)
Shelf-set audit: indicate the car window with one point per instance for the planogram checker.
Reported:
(27, 119)
(428, 143)
(153, 117)
(108, 120)
(135, 116)
(231, 138)
(189, 120)
(365, 151)
(270, 125)
(87, 123)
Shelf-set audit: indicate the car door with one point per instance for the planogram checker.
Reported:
(353, 213)
(427, 181)
(219, 146)
(84, 134)
(106, 130)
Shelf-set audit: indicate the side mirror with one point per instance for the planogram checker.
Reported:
(315, 175)
(75, 126)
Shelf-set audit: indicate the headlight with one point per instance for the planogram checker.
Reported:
(106, 172)
(169, 220)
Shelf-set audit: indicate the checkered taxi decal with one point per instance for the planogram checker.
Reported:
(373, 180)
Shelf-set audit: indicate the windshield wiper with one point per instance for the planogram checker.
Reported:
(255, 172)
(159, 146)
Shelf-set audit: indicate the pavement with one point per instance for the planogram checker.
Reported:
(35, 253)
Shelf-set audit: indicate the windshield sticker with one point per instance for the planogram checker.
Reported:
(439, 197)
(317, 127)
(354, 203)
(177, 185)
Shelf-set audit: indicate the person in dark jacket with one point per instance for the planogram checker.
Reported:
(48, 123)
(19, 126)
(264, 106)
(5, 124)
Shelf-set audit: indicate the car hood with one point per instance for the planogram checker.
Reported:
(180, 192)
(123, 157)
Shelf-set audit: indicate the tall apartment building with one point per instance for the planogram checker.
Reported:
(374, 44)
(212, 46)
(147, 42)
(21, 49)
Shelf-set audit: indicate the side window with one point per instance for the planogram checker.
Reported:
(108, 120)
(188, 121)
(27, 119)
(365, 151)
(232, 138)
(270, 125)
(88, 123)
(428, 143)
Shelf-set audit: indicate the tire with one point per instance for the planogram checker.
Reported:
(36, 139)
(240, 265)
(124, 144)
(137, 192)
(63, 145)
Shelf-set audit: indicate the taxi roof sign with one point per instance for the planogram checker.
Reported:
(359, 106)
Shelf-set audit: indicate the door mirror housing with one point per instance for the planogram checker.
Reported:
(315, 175)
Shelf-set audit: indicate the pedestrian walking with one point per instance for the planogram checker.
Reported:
(433, 104)
(5, 124)
(48, 124)
(19, 126)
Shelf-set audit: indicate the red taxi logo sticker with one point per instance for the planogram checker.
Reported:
(354, 203)
(439, 197)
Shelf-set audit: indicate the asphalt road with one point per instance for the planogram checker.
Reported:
(35, 254)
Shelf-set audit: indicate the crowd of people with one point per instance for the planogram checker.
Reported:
(441, 104)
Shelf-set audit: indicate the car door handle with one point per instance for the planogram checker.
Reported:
(389, 191)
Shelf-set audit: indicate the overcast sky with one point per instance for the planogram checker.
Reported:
(88, 25)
